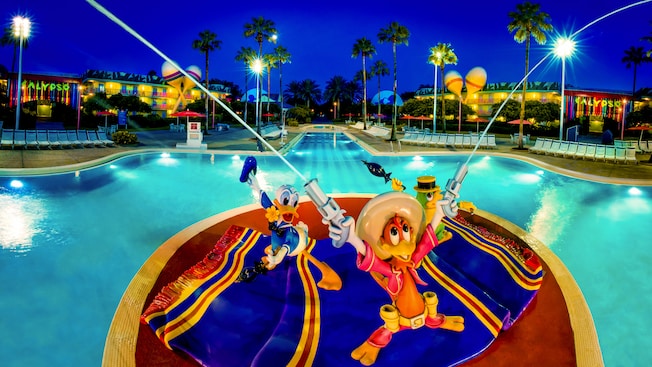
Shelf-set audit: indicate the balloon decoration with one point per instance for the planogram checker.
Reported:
(181, 83)
(454, 82)
(475, 79)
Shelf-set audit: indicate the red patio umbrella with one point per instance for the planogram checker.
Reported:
(408, 118)
(106, 115)
(640, 128)
(477, 121)
(422, 118)
(268, 114)
(187, 114)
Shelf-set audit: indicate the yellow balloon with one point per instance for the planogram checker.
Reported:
(476, 79)
(454, 82)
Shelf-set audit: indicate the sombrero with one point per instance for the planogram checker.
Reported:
(380, 209)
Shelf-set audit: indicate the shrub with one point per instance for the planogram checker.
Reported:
(124, 137)
(292, 122)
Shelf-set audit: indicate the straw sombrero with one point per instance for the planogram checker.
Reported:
(379, 210)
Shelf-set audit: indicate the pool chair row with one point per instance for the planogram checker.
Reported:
(641, 146)
(378, 131)
(50, 139)
(586, 151)
(450, 140)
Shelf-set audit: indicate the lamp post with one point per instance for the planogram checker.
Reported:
(622, 130)
(564, 47)
(21, 27)
(434, 95)
(257, 67)
(79, 98)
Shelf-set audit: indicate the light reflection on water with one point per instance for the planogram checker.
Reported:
(72, 242)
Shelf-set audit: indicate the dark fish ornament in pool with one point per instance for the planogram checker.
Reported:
(378, 171)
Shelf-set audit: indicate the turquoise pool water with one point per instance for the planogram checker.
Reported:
(70, 243)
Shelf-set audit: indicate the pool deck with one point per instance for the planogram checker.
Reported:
(31, 161)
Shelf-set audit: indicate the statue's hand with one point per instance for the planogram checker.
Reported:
(274, 259)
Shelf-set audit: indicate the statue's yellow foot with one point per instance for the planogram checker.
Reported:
(454, 323)
(366, 354)
(329, 279)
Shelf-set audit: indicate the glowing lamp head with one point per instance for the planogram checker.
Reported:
(564, 47)
(21, 26)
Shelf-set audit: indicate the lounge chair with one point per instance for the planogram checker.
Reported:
(82, 136)
(491, 141)
(537, 147)
(563, 148)
(630, 155)
(590, 151)
(581, 151)
(610, 153)
(554, 147)
(104, 139)
(572, 149)
(72, 138)
(7, 138)
(92, 136)
(62, 136)
(459, 140)
(42, 139)
(30, 139)
(53, 139)
(600, 151)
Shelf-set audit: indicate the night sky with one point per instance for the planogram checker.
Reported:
(319, 35)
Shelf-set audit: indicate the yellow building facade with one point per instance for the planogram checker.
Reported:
(150, 89)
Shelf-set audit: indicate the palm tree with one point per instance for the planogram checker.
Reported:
(260, 29)
(206, 43)
(379, 69)
(397, 35)
(334, 90)
(309, 91)
(281, 56)
(527, 21)
(363, 47)
(440, 55)
(649, 39)
(634, 56)
(270, 63)
(246, 55)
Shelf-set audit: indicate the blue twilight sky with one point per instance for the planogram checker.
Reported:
(70, 36)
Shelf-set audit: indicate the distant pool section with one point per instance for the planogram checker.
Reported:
(71, 242)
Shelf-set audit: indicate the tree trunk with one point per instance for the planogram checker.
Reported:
(208, 95)
(522, 114)
(392, 137)
(364, 92)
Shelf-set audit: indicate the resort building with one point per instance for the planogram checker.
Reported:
(578, 102)
(72, 90)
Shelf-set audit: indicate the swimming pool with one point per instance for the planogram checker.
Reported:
(70, 243)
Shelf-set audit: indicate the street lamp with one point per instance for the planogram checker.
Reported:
(434, 94)
(21, 27)
(257, 68)
(564, 47)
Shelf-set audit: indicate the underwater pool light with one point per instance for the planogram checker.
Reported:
(634, 191)
(165, 155)
(16, 184)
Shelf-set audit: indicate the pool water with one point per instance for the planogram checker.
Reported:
(70, 243)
